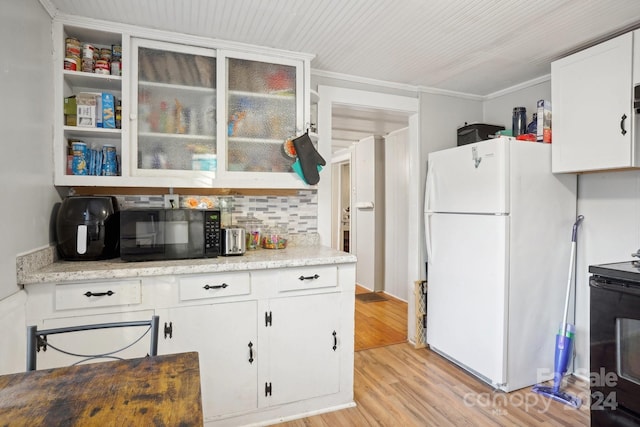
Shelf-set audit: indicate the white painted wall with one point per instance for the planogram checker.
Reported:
(499, 108)
(26, 165)
(610, 232)
(396, 193)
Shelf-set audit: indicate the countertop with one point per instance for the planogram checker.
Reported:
(297, 256)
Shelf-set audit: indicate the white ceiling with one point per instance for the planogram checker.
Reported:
(474, 47)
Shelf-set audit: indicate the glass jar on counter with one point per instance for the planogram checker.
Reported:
(253, 228)
(275, 237)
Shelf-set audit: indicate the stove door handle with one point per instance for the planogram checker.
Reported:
(615, 286)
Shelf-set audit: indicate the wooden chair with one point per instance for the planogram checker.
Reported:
(37, 339)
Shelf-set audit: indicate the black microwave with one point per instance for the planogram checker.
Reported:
(165, 234)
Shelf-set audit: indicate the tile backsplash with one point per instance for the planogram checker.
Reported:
(299, 212)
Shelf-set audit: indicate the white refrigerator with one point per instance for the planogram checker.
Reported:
(498, 234)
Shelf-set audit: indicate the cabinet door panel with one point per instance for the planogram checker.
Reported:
(303, 363)
(176, 103)
(591, 92)
(263, 112)
(221, 334)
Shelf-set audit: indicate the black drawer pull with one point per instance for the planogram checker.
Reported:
(98, 294)
(315, 276)
(224, 285)
(250, 352)
(335, 341)
(622, 129)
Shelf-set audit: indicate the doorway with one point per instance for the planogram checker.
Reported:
(332, 98)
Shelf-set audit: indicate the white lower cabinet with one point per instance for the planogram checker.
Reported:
(265, 339)
(55, 305)
(225, 337)
(273, 344)
(304, 343)
(93, 342)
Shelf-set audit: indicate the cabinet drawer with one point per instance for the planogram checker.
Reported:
(214, 285)
(313, 277)
(97, 294)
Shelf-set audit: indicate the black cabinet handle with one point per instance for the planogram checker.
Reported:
(90, 294)
(335, 341)
(224, 285)
(250, 352)
(622, 129)
(315, 276)
(168, 330)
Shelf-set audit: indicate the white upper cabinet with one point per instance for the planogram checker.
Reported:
(195, 113)
(173, 120)
(593, 116)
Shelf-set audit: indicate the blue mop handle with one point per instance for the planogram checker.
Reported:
(574, 235)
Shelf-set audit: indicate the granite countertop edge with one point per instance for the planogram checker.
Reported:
(71, 271)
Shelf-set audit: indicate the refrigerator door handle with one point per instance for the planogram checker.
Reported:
(427, 236)
(428, 189)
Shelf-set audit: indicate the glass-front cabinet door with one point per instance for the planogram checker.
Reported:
(174, 104)
(263, 110)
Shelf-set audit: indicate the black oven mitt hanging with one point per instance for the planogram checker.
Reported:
(309, 158)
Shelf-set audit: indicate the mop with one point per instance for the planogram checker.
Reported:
(564, 342)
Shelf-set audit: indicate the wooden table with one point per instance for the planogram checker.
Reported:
(161, 390)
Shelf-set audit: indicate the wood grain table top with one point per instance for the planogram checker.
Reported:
(150, 391)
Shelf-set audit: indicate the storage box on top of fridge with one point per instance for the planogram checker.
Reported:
(544, 121)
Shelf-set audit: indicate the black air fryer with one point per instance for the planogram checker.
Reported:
(88, 228)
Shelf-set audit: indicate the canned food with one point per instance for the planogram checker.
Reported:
(109, 160)
(116, 51)
(116, 68)
(88, 50)
(79, 162)
(102, 67)
(72, 47)
(88, 65)
(71, 63)
(105, 53)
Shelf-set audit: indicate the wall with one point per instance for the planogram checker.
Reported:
(497, 110)
(298, 211)
(26, 164)
(610, 232)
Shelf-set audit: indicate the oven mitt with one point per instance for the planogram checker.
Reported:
(298, 169)
(309, 159)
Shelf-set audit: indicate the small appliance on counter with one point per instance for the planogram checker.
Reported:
(88, 228)
(158, 234)
(475, 132)
(232, 241)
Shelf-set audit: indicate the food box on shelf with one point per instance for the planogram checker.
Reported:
(70, 111)
(544, 121)
(86, 109)
(108, 111)
(96, 110)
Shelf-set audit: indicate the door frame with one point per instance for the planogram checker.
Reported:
(330, 95)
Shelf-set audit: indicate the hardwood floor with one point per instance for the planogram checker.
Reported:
(397, 385)
(379, 323)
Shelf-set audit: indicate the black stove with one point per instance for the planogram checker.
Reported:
(628, 270)
(615, 344)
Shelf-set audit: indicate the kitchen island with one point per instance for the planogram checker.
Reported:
(273, 328)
